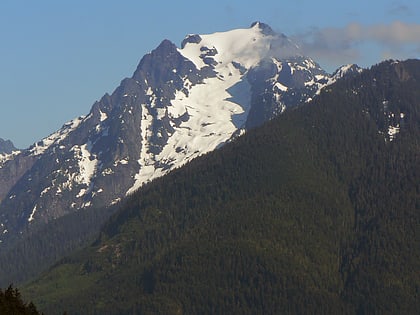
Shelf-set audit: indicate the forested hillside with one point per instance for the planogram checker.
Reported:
(317, 212)
(35, 252)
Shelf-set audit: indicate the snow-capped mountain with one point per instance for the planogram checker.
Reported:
(179, 103)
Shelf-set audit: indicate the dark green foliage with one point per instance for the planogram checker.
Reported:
(11, 303)
(317, 212)
(28, 256)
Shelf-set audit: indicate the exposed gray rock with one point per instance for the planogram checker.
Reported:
(6, 146)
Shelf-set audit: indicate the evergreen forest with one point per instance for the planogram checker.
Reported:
(316, 212)
(11, 303)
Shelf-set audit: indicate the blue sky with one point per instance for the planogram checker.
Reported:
(58, 57)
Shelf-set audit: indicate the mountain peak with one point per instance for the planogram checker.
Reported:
(344, 70)
(166, 43)
(265, 28)
(6, 146)
(247, 47)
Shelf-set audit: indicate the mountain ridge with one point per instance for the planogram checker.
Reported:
(179, 103)
(160, 118)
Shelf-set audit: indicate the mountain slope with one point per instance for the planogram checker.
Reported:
(315, 212)
(179, 103)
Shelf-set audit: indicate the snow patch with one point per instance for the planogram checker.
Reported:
(393, 131)
(230, 46)
(4, 157)
(45, 191)
(88, 164)
(215, 109)
(55, 138)
(81, 193)
(31, 217)
(118, 162)
(104, 116)
(108, 171)
(115, 201)
(281, 87)
(86, 204)
(146, 158)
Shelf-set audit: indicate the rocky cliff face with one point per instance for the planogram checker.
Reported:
(6, 146)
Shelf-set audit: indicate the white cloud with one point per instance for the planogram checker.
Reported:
(397, 40)
(397, 33)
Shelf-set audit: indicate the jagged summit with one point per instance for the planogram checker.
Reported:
(6, 146)
(265, 28)
(196, 38)
(245, 46)
(344, 70)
